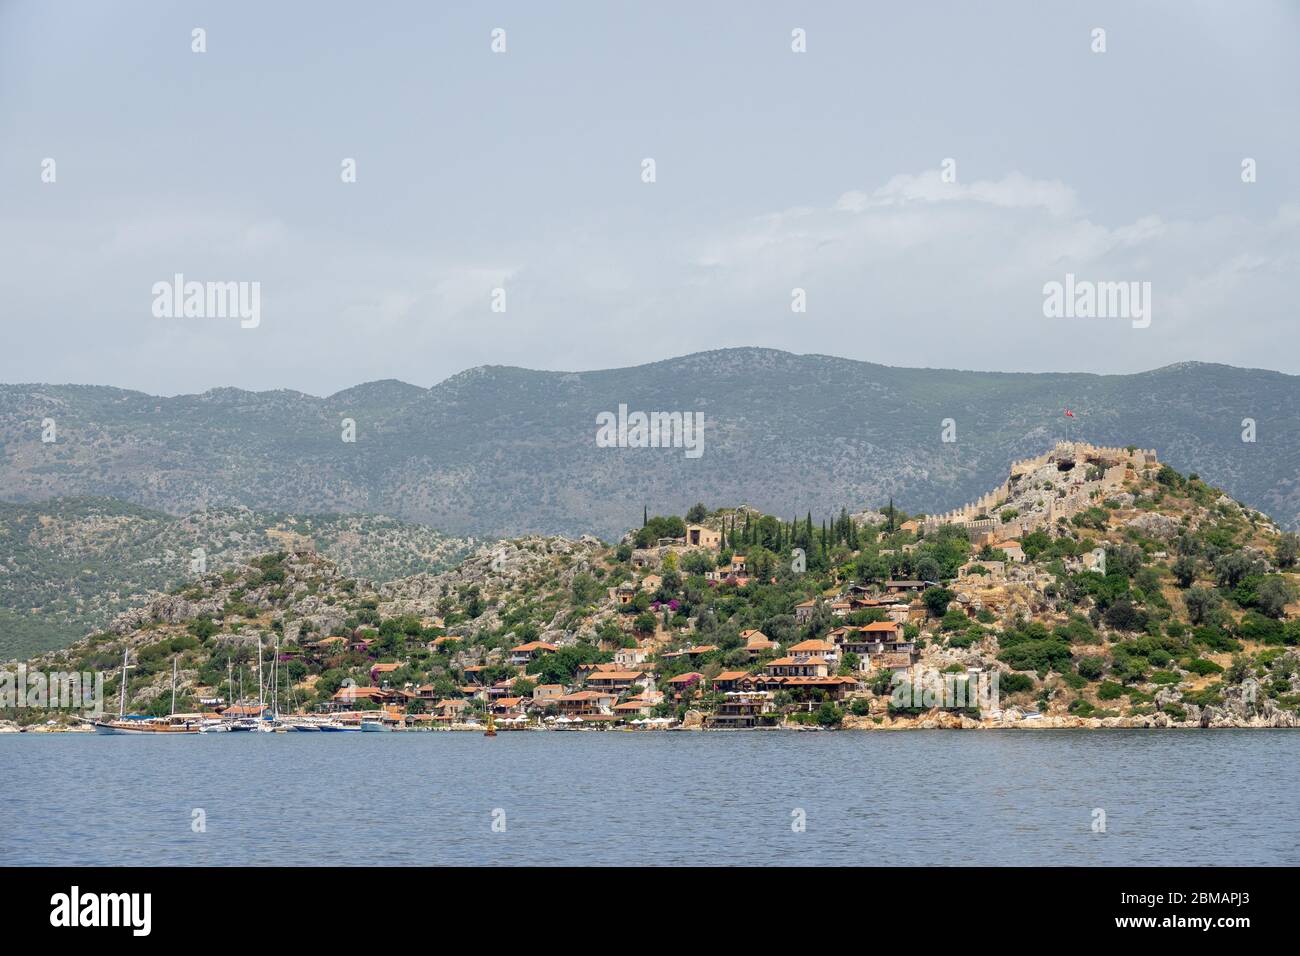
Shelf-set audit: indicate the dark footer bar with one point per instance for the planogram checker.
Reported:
(143, 907)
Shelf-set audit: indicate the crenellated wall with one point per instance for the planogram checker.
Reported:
(1116, 463)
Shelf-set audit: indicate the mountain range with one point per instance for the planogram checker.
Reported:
(502, 451)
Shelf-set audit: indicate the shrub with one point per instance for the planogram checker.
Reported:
(1123, 615)
(1256, 627)
(828, 715)
(1091, 667)
(937, 600)
(1013, 683)
(1109, 690)
(1077, 631)
(1206, 697)
(1074, 681)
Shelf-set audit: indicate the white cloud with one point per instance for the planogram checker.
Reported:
(1014, 191)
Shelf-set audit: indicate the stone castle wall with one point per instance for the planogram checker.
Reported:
(1116, 463)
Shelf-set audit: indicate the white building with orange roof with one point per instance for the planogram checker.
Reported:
(803, 611)
(815, 647)
(791, 666)
(756, 642)
(548, 691)
(616, 681)
(508, 706)
(728, 680)
(1011, 548)
(525, 653)
(585, 702)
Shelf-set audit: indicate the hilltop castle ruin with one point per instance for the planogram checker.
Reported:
(1041, 490)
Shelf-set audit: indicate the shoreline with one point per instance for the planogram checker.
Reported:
(851, 725)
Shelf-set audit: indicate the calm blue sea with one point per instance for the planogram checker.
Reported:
(914, 797)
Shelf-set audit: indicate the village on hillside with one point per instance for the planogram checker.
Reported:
(1094, 588)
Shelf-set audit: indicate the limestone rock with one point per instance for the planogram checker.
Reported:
(693, 720)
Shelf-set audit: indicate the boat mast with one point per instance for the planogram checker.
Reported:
(275, 681)
(121, 704)
(173, 686)
(261, 699)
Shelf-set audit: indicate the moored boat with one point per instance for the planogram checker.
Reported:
(125, 723)
(138, 724)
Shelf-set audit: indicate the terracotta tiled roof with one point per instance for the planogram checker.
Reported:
(686, 678)
(533, 646)
(731, 675)
(812, 645)
(352, 693)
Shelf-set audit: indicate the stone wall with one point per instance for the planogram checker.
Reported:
(1116, 463)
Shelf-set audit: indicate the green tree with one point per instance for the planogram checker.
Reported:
(937, 600)
(1184, 570)
(1288, 550)
(1201, 604)
(828, 715)
(1273, 595)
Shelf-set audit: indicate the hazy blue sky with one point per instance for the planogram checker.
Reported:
(522, 170)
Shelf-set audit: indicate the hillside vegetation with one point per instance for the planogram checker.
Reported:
(67, 566)
(1191, 621)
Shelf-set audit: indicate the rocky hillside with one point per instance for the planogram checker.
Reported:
(508, 451)
(1159, 601)
(67, 566)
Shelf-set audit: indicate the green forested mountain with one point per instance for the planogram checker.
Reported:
(505, 451)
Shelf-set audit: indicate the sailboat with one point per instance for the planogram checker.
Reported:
(267, 726)
(297, 720)
(238, 722)
(138, 724)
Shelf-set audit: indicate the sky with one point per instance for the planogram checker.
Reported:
(922, 171)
